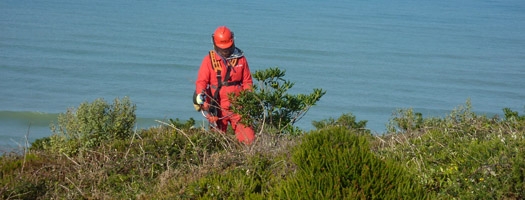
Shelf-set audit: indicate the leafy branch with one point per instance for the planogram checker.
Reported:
(269, 105)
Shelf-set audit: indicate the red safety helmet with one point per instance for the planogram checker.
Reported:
(223, 37)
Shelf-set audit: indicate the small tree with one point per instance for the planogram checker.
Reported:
(269, 104)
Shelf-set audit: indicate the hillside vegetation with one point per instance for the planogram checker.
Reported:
(462, 155)
(94, 153)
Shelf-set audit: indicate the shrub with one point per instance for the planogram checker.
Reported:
(19, 179)
(237, 183)
(188, 124)
(346, 120)
(90, 124)
(405, 120)
(269, 104)
(463, 155)
(336, 163)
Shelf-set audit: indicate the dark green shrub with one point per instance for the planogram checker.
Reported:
(251, 179)
(40, 144)
(346, 120)
(269, 106)
(514, 120)
(25, 190)
(516, 184)
(336, 163)
(234, 184)
(17, 176)
(512, 115)
(188, 124)
(405, 120)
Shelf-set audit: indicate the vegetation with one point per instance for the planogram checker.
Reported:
(337, 163)
(270, 107)
(462, 155)
(81, 129)
(94, 154)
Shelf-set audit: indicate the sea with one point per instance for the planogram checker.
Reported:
(371, 57)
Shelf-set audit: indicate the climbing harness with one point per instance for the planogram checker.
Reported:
(214, 109)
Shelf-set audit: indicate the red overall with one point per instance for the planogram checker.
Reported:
(240, 75)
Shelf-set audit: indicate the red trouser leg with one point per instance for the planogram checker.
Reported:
(244, 134)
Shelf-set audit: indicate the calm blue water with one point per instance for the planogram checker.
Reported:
(372, 57)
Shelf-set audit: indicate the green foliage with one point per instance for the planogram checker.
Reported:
(91, 124)
(460, 156)
(188, 124)
(336, 163)
(234, 184)
(270, 104)
(16, 182)
(40, 143)
(514, 120)
(26, 190)
(512, 115)
(346, 120)
(405, 120)
(463, 155)
(253, 180)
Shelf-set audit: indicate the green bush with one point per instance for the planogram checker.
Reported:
(346, 120)
(26, 190)
(252, 179)
(405, 120)
(234, 184)
(17, 177)
(463, 155)
(91, 124)
(188, 124)
(460, 156)
(336, 163)
(269, 105)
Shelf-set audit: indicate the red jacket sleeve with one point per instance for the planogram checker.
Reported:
(203, 77)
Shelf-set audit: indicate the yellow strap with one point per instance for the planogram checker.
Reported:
(215, 63)
(233, 62)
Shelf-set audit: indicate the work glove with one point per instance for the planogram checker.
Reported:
(200, 98)
(197, 107)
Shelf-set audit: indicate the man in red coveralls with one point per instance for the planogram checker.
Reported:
(223, 71)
